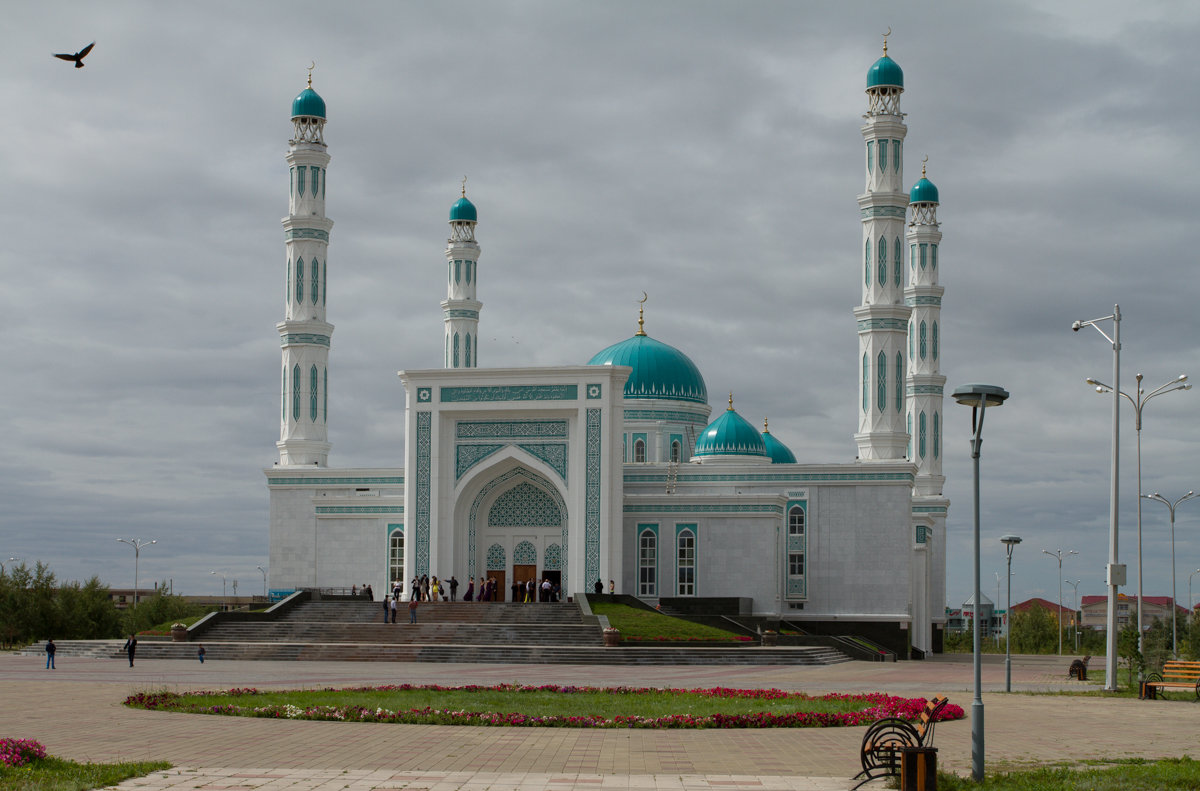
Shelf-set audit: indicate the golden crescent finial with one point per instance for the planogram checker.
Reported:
(641, 313)
(766, 427)
(885, 38)
(464, 186)
(730, 400)
(923, 161)
(311, 65)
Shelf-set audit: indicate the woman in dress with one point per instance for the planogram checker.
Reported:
(470, 594)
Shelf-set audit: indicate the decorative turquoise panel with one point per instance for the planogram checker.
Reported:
(594, 391)
(511, 429)
(883, 211)
(553, 559)
(510, 393)
(424, 394)
(424, 467)
(473, 518)
(525, 554)
(921, 539)
(591, 499)
(303, 339)
(553, 453)
(784, 478)
(882, 324)
(797, 588)
(460, 313)
(913, 302)
(666, 414)
(383, 480)
(495, 558)
(525, 505)
(705, 508)
(360, 509)
(307, 233)
(467, 456)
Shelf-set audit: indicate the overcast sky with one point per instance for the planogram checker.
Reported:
(706, 153)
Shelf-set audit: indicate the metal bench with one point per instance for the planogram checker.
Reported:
(1078, 669)
(1176, 674)
(886, 740)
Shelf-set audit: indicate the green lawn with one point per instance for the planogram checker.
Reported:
(638, 624)
(58, 774)
(1166, 775)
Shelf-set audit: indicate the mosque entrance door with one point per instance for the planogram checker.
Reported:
(523, 574)
(501, 585)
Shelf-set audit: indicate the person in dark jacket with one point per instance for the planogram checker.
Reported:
(50, 649)
(131, 647)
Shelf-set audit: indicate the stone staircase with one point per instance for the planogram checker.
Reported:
(558, 633)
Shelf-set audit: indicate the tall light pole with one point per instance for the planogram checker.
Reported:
(1138, 403)
(1058, 553)
(1009, 542)
(1116, 572)
(222, 576)
(979, 397)
(1075, 613)
(264, 573)
(1172, 506)
(1191, 606)
(137, 545)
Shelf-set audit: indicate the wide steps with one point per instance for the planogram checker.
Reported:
(403, 633)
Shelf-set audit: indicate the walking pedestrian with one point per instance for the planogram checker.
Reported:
(412, 610)
(453, 588)
(130, 647)
(50, 649)
(200, 652)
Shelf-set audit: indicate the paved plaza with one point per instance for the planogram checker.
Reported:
(76, 712)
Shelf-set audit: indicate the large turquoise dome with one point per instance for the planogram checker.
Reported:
(659, 370)
(730, 435)
(885, 73)
(923, 192)
(308, 103)
(776, 450)
(463, 211)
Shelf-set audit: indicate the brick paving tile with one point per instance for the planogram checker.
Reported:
(77, 713)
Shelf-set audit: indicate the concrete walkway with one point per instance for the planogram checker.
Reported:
(76, 712)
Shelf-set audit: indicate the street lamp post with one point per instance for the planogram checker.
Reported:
(1058, 553)
(1116, 572)
(137, 545)
(1075, 613)
(1138, 404)
(1009, 542)
(224, 603)
(1191, 606)
(979, 397)
(1172, 506)
(264, 573)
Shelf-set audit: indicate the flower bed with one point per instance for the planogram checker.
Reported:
(874, 706)
(19, 752)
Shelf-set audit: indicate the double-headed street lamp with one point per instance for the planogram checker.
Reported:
(979, 397)
(1009, 542)
(222, 576)
(1138, 404)
(264, 573)
(1058, 553)
(1172, 506)
(137, 545)
(1115, 572)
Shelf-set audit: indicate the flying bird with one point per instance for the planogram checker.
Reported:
(78, 56)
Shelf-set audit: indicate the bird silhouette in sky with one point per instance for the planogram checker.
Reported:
(78, 56)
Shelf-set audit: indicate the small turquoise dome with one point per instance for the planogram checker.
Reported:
(923, 192)
(779, 453)
(308, 103)
(659, 370)
(463, 211)
(730, 435)
(885, 73)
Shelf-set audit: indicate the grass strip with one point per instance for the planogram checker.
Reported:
(59, 774)
(1172, 774)
(638, 624)
(548, 706)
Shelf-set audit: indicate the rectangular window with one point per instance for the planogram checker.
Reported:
(685, 562)
(795, 564)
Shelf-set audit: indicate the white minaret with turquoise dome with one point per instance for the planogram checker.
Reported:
(924, 297)
(882, 317)
(460, 309)
(304, 333)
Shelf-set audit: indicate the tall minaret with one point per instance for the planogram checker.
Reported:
(304, 334)
(460, 309)
(882, 316)
(924, 297)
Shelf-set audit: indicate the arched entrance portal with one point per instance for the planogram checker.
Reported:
(518, 530)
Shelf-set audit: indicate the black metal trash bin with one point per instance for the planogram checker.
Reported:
(918, 769)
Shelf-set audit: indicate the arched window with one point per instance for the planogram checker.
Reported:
(300, 282)
(316, 280)
(396, 557)
(933, 255)
(296, 392)
(896, 263)
(883, 261)
(325, 291)
(899, 382)
(936, 435)
(924, 249)
(287, 286)
(881, 382)
(647, 563)
(283, 394)
(912, 257)
(325, 398)
(685, 563)
(910, 340)
(882, 155)
(795, 521)
(470, 264)
(312, 394)
(896, 155)
(867, 261)
(923, 346)
(866, 383)
(467, 352)
(676, 451)
(300, 181)
(870, 156)
(935, 340)
(454, 352)
(921, 435)
(908, 451)
(639, 450)
(458, 270)
(316, 173)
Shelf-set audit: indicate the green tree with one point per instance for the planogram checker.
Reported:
(159, 608)
(1127, 649)
(1034, 631)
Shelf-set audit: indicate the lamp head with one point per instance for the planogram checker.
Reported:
(1010, 540)
(973, 394)
(1076, 326)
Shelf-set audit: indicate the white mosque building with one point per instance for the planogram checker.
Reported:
(615, 468)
